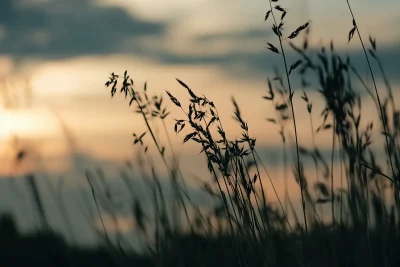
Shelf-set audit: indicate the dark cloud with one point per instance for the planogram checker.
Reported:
(259, 65)
(264, 61)
(236, 37)
(61, 28)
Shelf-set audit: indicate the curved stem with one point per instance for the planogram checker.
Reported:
(376, 91)
(294, 125)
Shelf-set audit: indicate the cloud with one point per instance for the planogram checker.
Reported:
(68, 28)
(258, 63)
(60, 29)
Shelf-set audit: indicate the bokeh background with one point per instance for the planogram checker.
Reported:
(58, 119)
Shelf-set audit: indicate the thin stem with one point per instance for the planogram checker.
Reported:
(294, 124)
(273, 187)
(332, 163)
(174, 178)
(314, 158)
(98, 208)
(376, 90)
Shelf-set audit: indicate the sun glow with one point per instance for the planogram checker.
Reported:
(25, 122)
(31, 131)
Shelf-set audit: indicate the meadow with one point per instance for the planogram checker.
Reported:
(348, 216)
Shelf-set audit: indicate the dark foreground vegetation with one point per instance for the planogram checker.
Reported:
(50, 249)
(244, 229)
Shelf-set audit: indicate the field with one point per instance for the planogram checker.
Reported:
(348, 211)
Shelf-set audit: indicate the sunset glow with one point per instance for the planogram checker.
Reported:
(26, 122)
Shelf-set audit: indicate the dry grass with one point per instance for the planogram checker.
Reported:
(358, 208)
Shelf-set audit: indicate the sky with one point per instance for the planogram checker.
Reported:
(56, 55)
